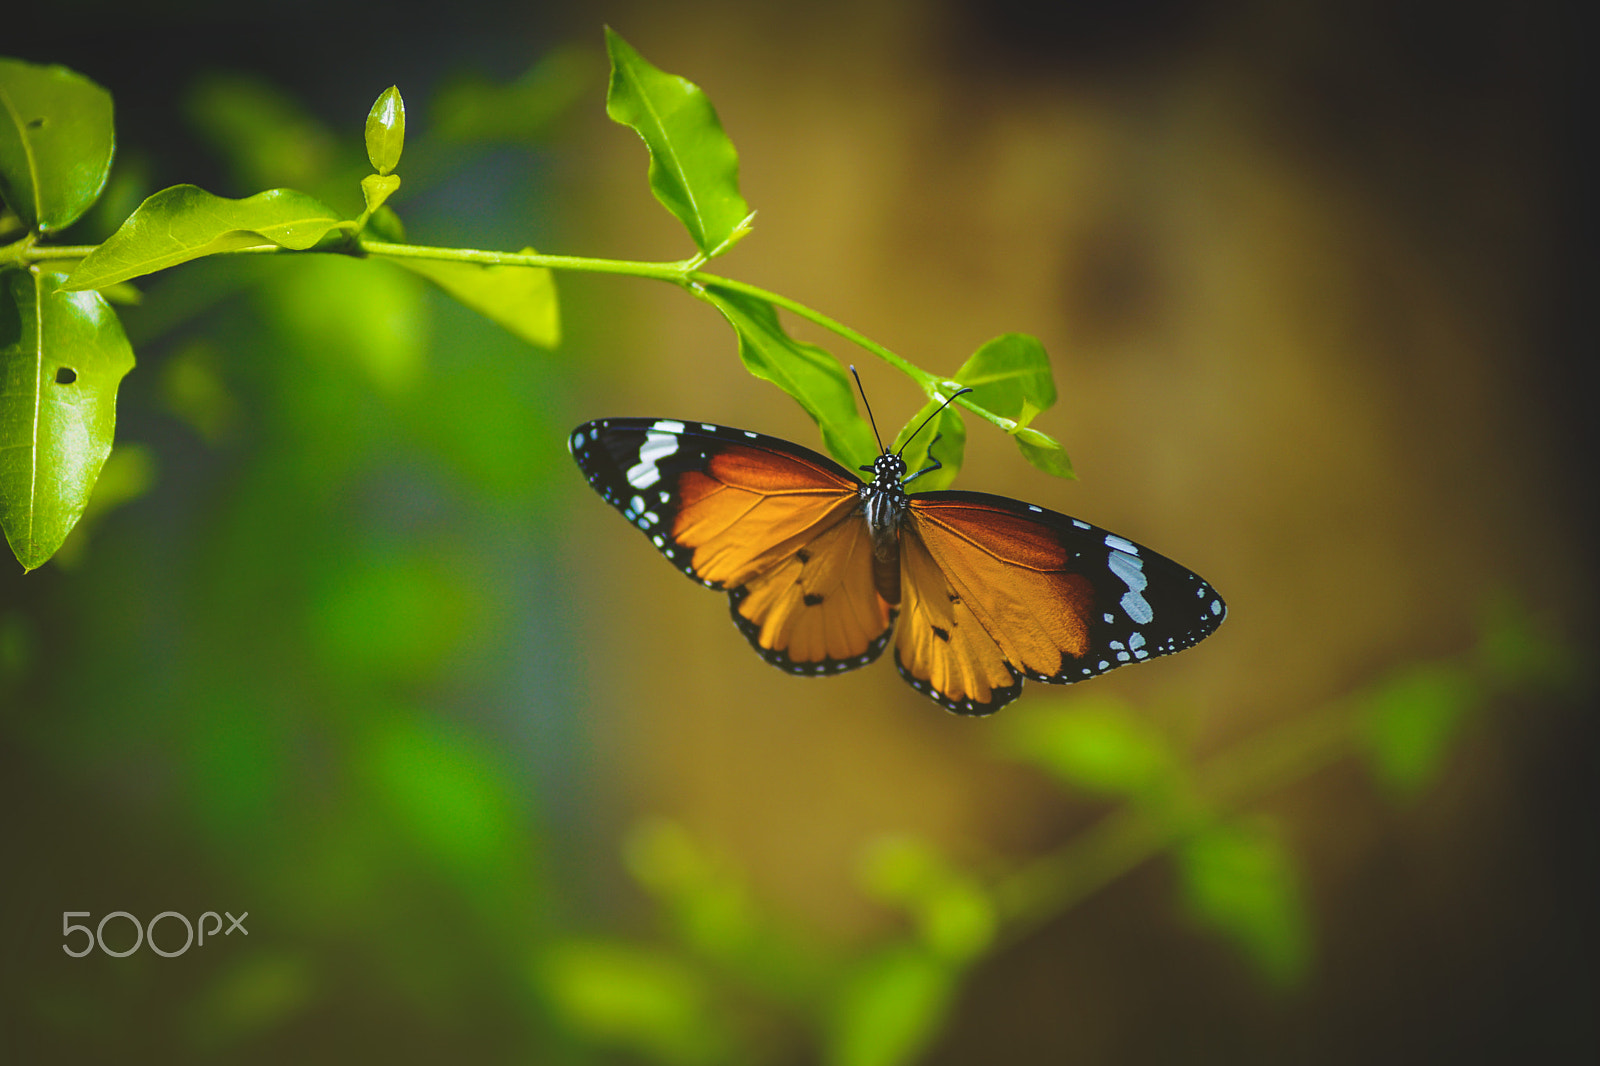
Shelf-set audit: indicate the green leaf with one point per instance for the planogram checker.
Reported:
(62, 356)
(1095, 743)
(56, 142)
(474, 109)
(628, 997)
(355, 312)
(385, 225)
(954, 914)
(1241, 881)
(448, 796)
(128, 473)
(386, 130)
(703, 895)
(806, 372)
(262, 133)
(1413, 718)
(1044, 452)
(1516, 652)
(193, 388)
(944, 442)
(376, 188)
(889, 1009)
(1010, 377)
(186, 222)
(522, 299)
(694, 169)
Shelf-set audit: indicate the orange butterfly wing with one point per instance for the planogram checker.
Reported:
(996, 591)
(773, 524)
(992, 590)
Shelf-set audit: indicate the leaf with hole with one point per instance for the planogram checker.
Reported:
(56, 143)
(62, 356)
(185, 222)
(694, 169)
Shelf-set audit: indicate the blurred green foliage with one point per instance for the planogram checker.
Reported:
(309, 653)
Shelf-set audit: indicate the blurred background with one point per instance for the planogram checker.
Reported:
(347, 644)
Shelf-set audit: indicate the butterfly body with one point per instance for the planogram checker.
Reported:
(820, 566)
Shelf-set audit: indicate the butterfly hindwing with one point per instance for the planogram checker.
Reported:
(769, 522)
(1056, 599)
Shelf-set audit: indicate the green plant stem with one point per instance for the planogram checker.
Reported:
(1131, 836)
(25, 251)
(673, 272)
(683, 274)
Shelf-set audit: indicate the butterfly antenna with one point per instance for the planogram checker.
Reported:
(931, 417)
(868, 406)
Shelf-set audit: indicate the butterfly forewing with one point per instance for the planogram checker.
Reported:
(990, 591)
(767, 521)
(1060, 600)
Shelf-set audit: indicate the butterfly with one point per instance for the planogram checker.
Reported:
(818, 565)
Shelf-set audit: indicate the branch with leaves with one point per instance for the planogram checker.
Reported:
(885, 1003)
(63, 352)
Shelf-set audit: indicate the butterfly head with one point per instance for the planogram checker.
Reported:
(887, 470)
(884, 501)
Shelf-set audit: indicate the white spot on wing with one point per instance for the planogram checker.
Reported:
(659, 443)
(1114, 541)
(1130, 568)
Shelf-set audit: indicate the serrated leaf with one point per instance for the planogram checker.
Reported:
(694, 169)
(386, 130)
(806, 372)
(56, 142)
(1095, 743)
(62, 356)
(522, 299)
(185, 222)
(1241, 881)
(938, 449)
